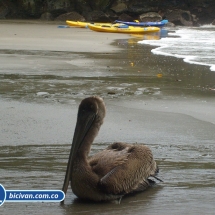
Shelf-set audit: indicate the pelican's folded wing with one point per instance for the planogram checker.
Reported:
(113, 156)
(132, 175)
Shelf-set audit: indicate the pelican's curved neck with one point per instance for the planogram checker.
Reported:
(85, 147)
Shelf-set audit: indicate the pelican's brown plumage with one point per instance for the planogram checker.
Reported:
(108, 175)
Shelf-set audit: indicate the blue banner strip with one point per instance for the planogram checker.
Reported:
(34, 195)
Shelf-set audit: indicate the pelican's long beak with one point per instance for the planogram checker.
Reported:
(84, 123)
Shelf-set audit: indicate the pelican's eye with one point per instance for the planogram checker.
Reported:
(87, 108)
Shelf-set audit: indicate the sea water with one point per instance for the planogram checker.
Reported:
(196, 45)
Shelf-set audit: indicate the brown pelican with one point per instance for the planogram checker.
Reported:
(118, 170)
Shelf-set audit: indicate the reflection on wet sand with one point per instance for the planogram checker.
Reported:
(189, 174)
(68, 76)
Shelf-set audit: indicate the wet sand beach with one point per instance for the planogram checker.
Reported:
(161, 101)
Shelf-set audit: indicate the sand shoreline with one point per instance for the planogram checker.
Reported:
(23, 35)
(48, 38)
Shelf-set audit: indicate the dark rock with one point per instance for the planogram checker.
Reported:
(170, 24)
(213, 23)
(57, 12)
(3, 11)
(180, 12)
(47, 16)
(82, 7)
(139, 10)
(74, 16)
(150, 17)
(97, 5)
(112, 16)
(180, 17)
(195, 20)
(120, 8)
(97, 16)
(126, 17)
(136, 7)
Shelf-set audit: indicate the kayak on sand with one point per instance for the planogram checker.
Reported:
(122, 29)
(143, 24)
(84, 24)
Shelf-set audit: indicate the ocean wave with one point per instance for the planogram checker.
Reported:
(194, 45)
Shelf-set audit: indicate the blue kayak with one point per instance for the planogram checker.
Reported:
(142, 24)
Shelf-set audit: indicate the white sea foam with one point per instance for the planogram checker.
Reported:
(194, 45)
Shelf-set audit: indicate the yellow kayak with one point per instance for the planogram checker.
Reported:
(123, 29)
(83, 24)
(76, 24)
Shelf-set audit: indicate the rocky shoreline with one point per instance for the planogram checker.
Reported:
(183, 12)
